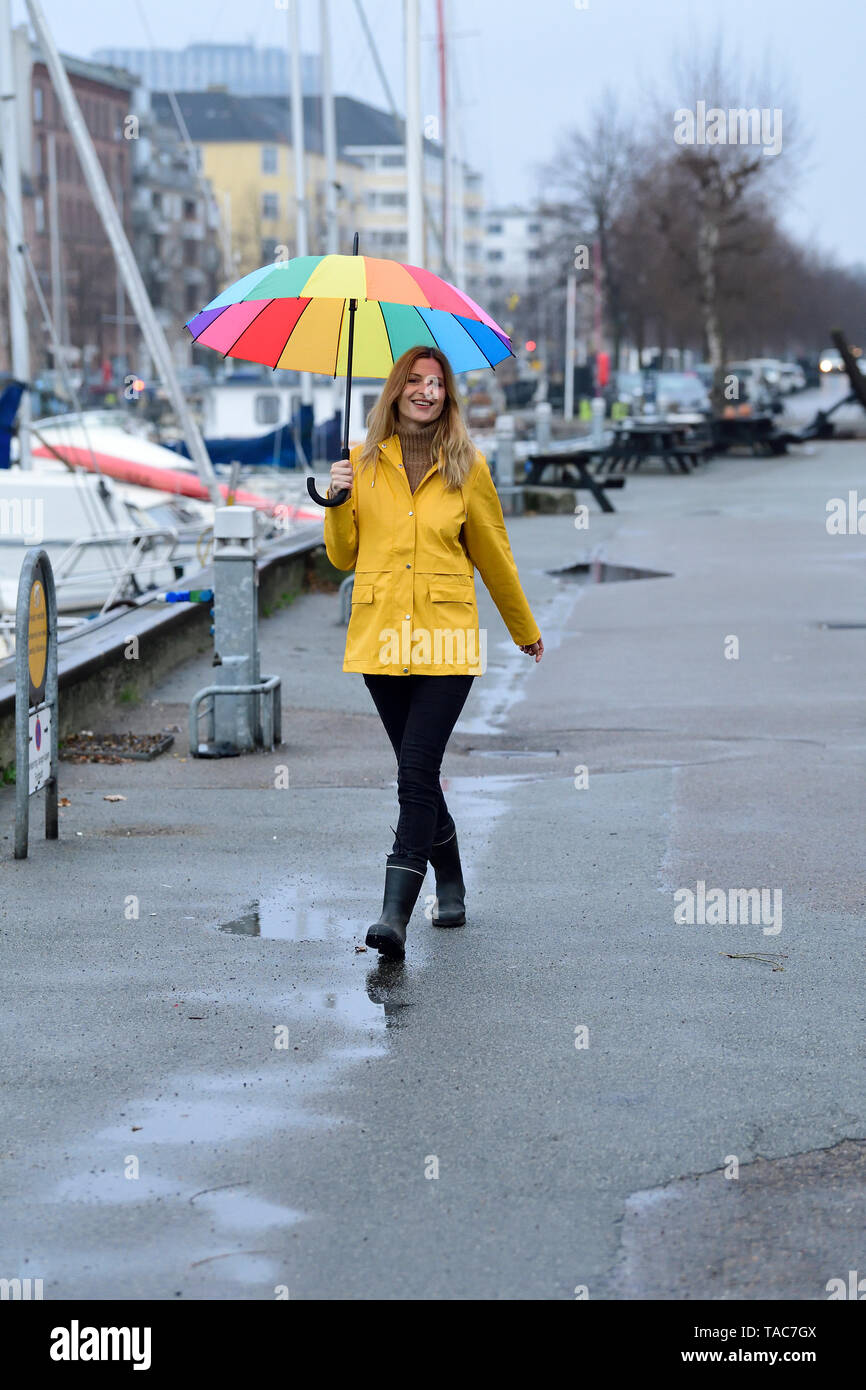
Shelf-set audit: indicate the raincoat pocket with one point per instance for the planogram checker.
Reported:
(362, 593)
(451, 591)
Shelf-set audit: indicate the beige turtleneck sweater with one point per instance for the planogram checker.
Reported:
(416, 442)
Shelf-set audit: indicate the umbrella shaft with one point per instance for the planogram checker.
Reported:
(353, 304)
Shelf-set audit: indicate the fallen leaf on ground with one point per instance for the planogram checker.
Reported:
(115, 796)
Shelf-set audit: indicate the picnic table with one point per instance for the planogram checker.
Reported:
(680, 441)
(570, 468)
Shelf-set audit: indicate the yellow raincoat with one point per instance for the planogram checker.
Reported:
(414, 556)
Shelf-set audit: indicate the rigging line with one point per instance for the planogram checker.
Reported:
(90, 506)
(371, 43)
(97, 521)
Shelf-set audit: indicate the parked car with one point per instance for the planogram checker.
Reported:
(793, 378)
(627, 387)
(752, 386)
(831, 361)
(770, 369)
(481, 410)
(680, 391)
(705, 372)
(519, 394)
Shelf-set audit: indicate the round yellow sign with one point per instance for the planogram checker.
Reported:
(37, 635)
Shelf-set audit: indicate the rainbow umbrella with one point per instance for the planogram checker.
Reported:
(343, 314)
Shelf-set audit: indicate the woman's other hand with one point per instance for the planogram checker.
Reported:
(341, 477)
(536, 649)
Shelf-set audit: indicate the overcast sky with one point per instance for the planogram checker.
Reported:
(529, 69)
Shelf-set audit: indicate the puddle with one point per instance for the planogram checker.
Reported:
(347, 1006)
(290, 913)
(600, 572)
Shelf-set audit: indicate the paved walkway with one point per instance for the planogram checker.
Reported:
(147, 1044)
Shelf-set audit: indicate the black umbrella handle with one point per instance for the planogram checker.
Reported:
(338, 497)
(326, 501)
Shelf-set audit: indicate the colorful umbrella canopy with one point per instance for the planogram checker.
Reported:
(294, 314)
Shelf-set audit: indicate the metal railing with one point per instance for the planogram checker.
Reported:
(134, 564)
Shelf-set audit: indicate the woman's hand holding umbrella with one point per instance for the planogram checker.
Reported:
(341, 477)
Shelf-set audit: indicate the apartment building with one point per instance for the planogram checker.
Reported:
(245, 151)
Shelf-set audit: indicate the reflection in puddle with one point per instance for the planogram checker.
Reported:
(290, 913)
(347, 1006)
(388, 987)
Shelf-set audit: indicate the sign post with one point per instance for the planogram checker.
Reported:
(36, 727)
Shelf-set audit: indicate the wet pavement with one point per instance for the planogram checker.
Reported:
(210, 1091)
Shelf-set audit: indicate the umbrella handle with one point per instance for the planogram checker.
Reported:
(326, 501)
(338, 497)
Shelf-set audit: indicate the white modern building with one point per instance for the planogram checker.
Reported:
(512, 245)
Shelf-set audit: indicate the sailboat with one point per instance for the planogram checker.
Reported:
(118, 514)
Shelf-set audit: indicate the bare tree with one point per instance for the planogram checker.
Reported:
(588, 183)
(728, 157)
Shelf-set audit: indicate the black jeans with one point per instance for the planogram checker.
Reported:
(419, 714)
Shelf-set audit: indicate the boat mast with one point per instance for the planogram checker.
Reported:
(99, 191)
(329, 133)
(329, 140)
(19, 337)
(54, 244)
(458, 256)
(414, 149)
(445, 132)
(302, 232)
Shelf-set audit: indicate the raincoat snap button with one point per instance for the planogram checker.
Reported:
(411, 513)
(408, 615)
(408, 567)
(405, 668)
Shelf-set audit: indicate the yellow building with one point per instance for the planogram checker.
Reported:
(244, 150)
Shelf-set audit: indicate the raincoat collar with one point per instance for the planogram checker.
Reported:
(392, 450)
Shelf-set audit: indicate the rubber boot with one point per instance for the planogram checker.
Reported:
(449, 909)
(402, 886)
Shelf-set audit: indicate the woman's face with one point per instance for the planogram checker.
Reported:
(423, 397)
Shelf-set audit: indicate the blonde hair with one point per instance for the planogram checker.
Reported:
(452, 446)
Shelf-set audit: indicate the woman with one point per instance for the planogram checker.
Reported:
(422, 512)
